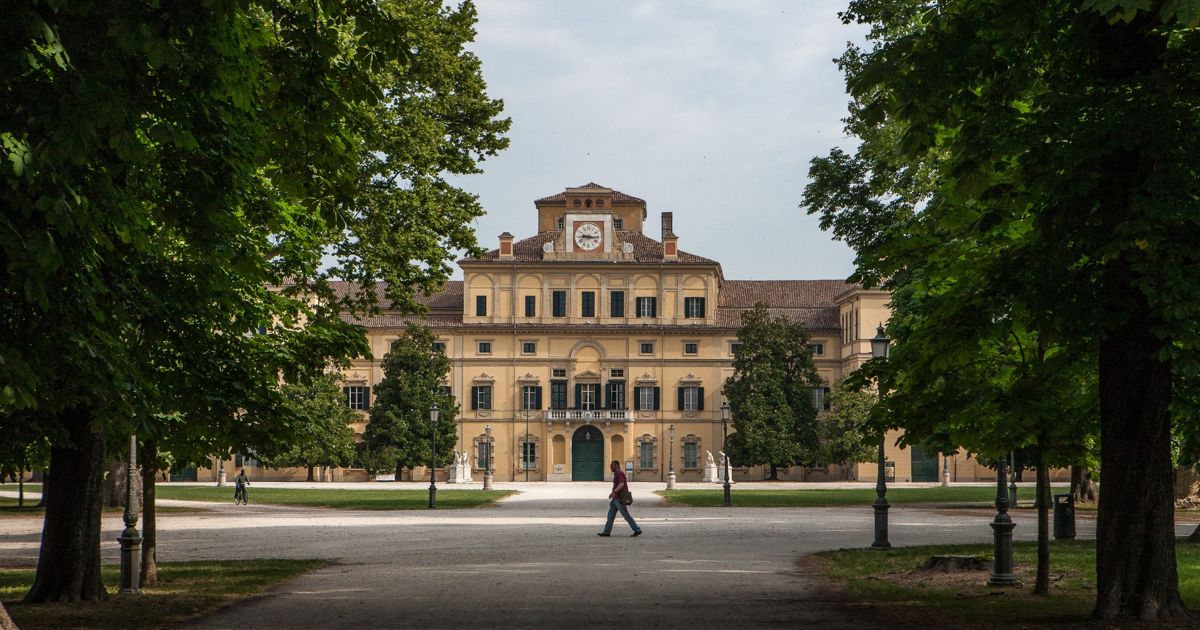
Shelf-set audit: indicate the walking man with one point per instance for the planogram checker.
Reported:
(619, 499)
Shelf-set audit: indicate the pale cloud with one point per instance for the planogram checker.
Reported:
(710, 109)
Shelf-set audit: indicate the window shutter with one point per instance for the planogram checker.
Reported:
(474, 397)
(537, 397)
(680, 398)
(367, 397)
(578, 396)
(637, 398)
(702, 311)
(700, 399)
(604, 400)
(657, 398)
(620, 386)
(653, 307)
(346, 395)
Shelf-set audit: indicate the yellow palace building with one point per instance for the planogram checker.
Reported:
(589, 341)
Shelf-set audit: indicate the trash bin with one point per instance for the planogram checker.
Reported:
(1064, 516)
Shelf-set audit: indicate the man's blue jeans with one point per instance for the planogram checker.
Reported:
(613, 506)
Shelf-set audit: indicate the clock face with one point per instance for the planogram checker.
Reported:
(587, 236)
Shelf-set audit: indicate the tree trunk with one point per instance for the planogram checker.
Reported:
(45, 488)
(6, 622)
(149, 533)
(1042, 584)
(310, 473)
(69, 561)
(1081, 484)
(774, 473)
(1135, 528)
(20, 489)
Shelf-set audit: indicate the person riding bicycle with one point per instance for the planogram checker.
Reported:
(240, 482)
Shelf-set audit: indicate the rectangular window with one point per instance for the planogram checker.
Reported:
(528, 455)
(588, 305)
(558, 223)
(734, 348)
(817, 349)
(693, 307)
(647, 307)
(358, 396)
(691, 398)
(481, 397)
(821, 398)
(691, 455)
(485, 347)
(559, 303)
(616, 373)
(646, 455)
(439, 346)
(483, 455)
(528, 347)
(691, 347)
(647, 398)
(246, 460)
(558, 373)
(616, 304)
(481, 305)
(646, 347)
(558, 394)
(531, 397)
(615, 394)
(530, 306)
(585, 396)
(618, 224)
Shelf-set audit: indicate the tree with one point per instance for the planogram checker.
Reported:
(172, 177)
(1035, 157)
(413, 377)
(771, 392)
(843, 432)
(325, 437)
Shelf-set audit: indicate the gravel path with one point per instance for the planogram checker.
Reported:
(534, 561)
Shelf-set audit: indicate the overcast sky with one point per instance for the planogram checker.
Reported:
(710, 109)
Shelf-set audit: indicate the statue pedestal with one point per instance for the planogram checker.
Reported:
(460, 470)
(710, 473)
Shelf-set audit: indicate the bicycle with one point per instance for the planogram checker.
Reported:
(239, 496)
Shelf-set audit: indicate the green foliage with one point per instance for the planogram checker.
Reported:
(771, 392)
(844, 432)
(377, 460)
(413, 377)
(161, 167)
(324, 436)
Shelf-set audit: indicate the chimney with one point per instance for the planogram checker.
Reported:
(670, 241)
(506, 251)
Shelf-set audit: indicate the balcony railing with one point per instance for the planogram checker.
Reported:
(588, 415)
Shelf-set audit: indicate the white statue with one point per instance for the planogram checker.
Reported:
(710, 469)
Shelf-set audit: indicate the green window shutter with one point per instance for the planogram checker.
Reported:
(702, 311)
(657, 398)
(537, 397)
(367, 396)
(637, 398)
(680, 398)
(474, 397)
(578, 396)
(346, 395)
(620, 386)
(699, 399)
(653, 307)
(607, 396)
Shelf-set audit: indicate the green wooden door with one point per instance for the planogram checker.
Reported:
(924, 465)
(183, 474)
(587, 455)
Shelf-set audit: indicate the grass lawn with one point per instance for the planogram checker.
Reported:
(184, 590)
(885, 582)
(743, 497)
(8, 508)
(364, 499)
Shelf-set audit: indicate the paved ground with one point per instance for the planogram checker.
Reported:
(535, 561)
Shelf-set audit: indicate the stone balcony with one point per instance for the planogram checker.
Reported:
(588, 415)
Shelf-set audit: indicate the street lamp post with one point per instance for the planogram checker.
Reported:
(433, 420)
(879, 349)
(1002, 528)
(725, 449)
(131, 541)
(1012, 480)
(487, 464)
(671, 459)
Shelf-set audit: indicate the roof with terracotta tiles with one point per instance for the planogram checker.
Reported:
(449, 298)
(618, 196)
(645, 250)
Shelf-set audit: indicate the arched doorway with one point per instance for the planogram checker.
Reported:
(587, 454)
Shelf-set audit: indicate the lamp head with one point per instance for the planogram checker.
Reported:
(671, 431)
(880, 344)
(433, 414)
(725, 410)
